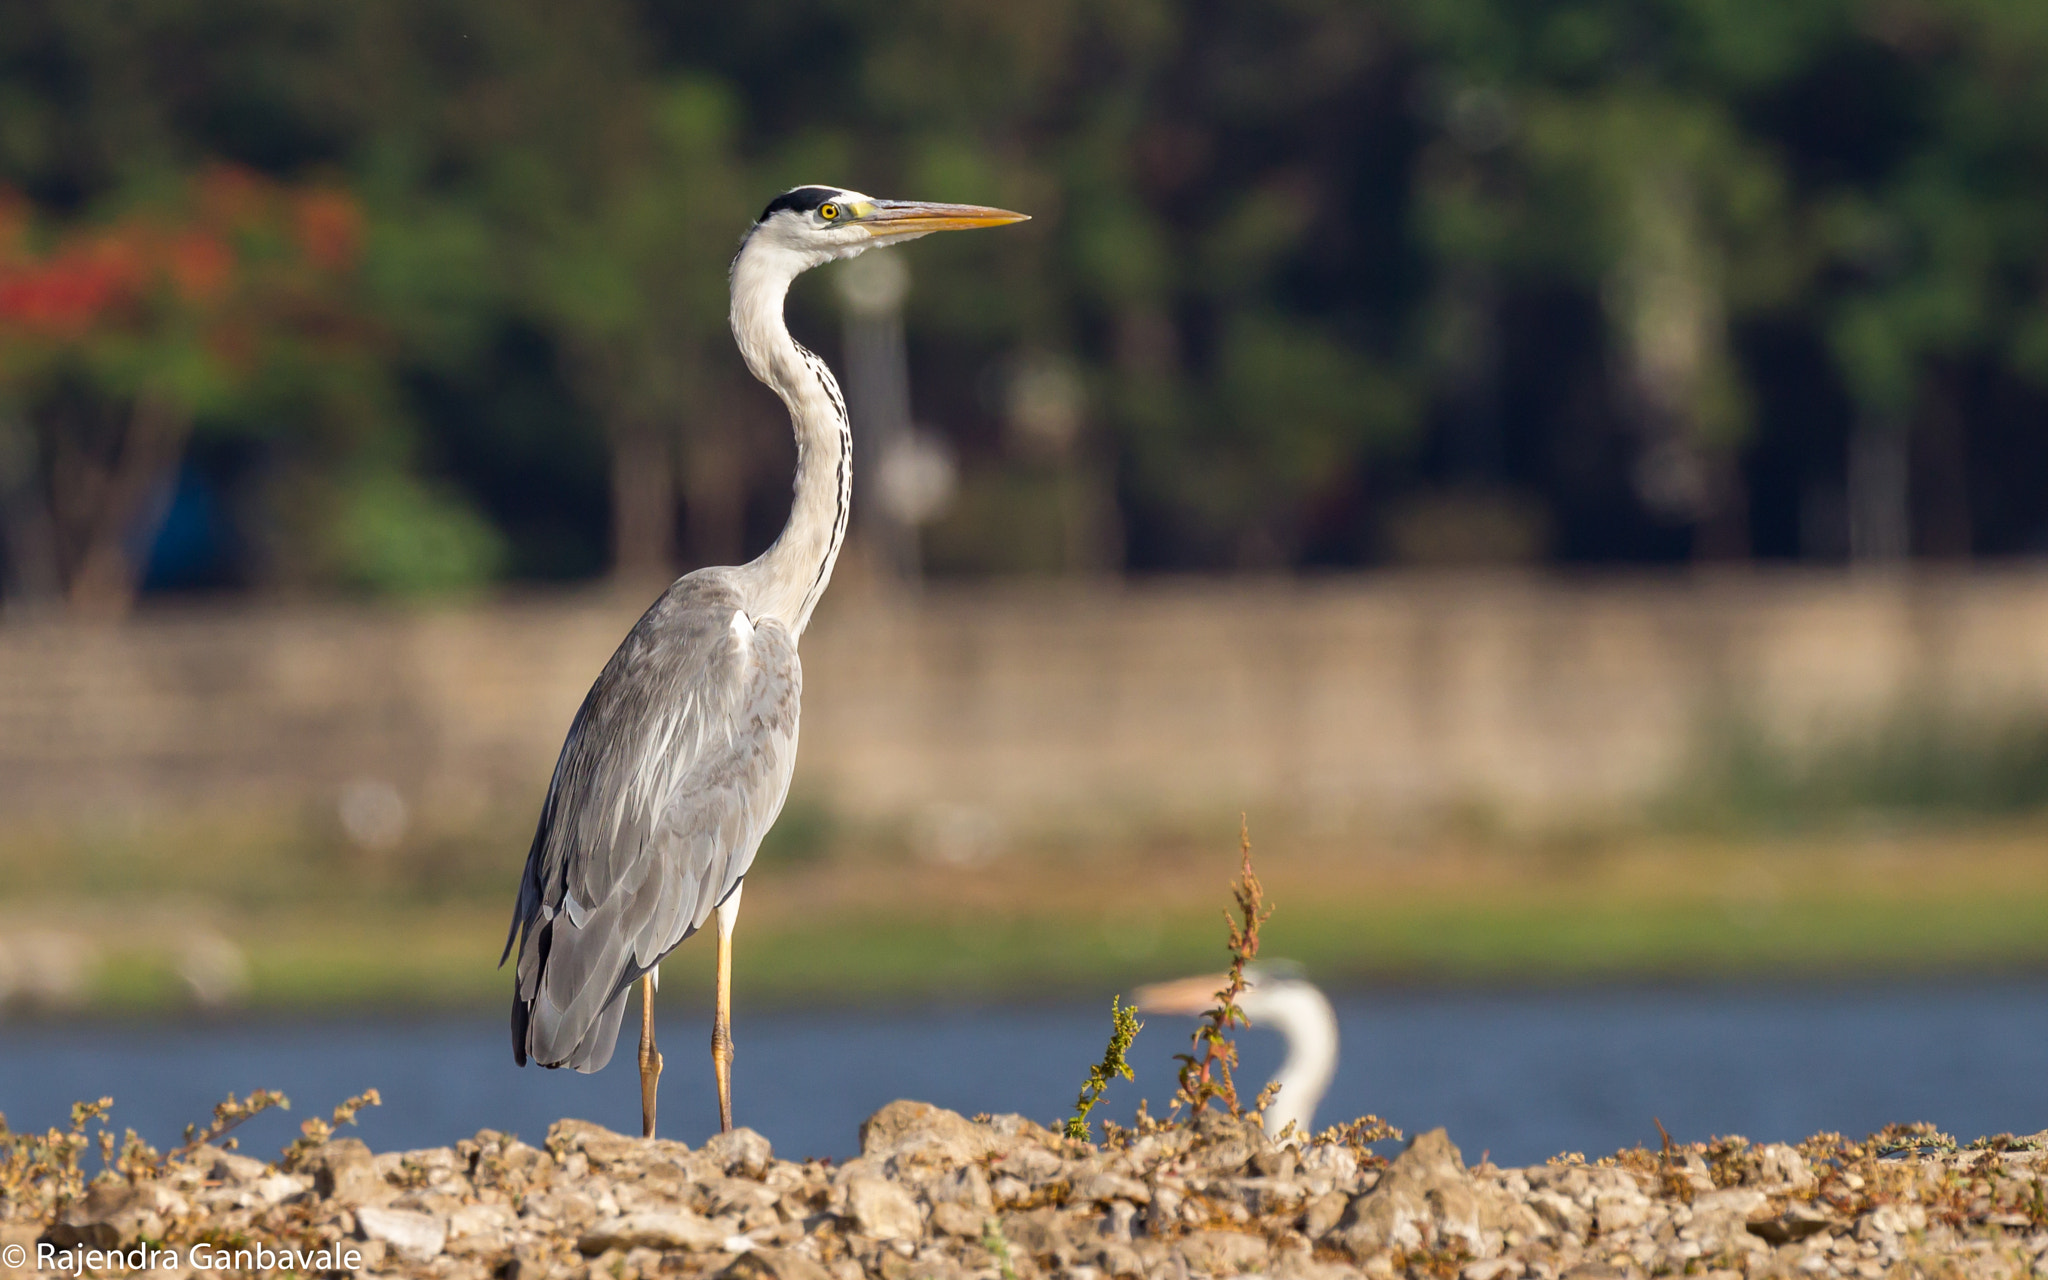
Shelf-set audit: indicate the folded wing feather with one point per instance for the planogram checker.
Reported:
(676, 766)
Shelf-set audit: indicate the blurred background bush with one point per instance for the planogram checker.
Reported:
(411, 297)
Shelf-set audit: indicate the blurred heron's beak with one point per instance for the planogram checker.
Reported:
(893, 218)
(1182, 995)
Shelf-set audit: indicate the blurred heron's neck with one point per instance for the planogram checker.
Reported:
(1304, 1018)
(787, 579)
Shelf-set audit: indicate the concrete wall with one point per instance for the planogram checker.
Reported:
(1540, 695)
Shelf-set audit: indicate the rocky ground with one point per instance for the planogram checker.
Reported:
(934, 1194)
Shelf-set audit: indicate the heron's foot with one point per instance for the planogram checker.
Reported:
(650, 1059)
(650, 1089)
(721, 1066)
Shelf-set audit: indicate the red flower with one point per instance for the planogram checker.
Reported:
(67, 293)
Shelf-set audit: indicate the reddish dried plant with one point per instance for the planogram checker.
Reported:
(1205, 1073)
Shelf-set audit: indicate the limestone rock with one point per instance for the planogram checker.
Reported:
(918, 1131)
(774, 1264)
(1102, 1188)
(1423, 1199)
(1009, 1132)
(741, 1153)
(1778, 1165)
(344, 1171)
(1033, 1166)
(1720, 1220)
(1617, 1214)
(882, 1209)
(231, 1166)
(605, 1149)
(114, 1214)
(1229, 1142)
(966, 1186)
(479, 1222)
(276, 1188)
(416, 1236)
(1225, 1253)
(1039, 1234)
(1333, 1162)
(1322, 1213)
(958, 1220)
(1562, 1214)
(1174, 1203)
(680, 1230)
(1796, 1221)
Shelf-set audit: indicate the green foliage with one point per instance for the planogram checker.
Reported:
(998, 1246)
(805, 832)
(394, 533)
(1124, 1028)
(1912, 763)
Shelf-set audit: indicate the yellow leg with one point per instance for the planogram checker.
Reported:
(721, 1024)
(650, 1058)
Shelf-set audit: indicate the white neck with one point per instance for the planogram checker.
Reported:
(785, 581)
(1303, 1016)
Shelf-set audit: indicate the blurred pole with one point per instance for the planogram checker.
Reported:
(902, 477)
(1879, 519)
(871, 292)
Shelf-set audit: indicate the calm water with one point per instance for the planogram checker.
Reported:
(1524, 1075)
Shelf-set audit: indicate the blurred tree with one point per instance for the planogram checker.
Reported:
(1937, 262)
(226, 296)
(625, 277)
(1645, 280)
(1691, 231)
(1600, 147)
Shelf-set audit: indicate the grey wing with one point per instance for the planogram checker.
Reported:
(676, 766)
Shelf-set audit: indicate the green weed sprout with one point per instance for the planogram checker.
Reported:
(998, 1246)
(1124, 1029)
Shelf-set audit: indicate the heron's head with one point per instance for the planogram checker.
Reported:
(822, 224)
(1270, 988)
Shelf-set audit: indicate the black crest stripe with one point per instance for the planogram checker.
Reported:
(801, 200)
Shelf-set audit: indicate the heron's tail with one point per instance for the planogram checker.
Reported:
(570, 994)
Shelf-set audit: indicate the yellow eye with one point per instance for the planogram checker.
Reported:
(828, 211)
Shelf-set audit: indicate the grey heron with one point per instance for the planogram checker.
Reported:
(1275, 995)
(680, 757)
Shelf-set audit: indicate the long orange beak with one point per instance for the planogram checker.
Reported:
(893, 218)
(1182, 995)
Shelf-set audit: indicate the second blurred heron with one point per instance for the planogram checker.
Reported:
(1276, 995)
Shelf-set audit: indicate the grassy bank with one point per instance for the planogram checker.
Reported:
(1446, 905)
